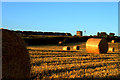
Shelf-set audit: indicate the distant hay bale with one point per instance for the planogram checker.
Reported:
(96, 45)
(113, 41)
(60, 43)
(76, 47)
(15, 58)
(111, 49)
(66, 48)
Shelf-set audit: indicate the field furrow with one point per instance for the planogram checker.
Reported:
(73, 64)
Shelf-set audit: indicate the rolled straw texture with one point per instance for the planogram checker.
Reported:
(66, 48)
(76, 47)
(96, 45)
(111, 49)
(113, 41)
(15, 58)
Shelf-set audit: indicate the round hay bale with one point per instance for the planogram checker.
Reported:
(76, 47)
(15, 58)
(111, 49)
(113, 41)
(60, 43)
(66, 48)
(96, 45)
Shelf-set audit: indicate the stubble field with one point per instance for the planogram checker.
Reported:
(51, 62)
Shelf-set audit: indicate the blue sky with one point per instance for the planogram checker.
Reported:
(60, 0)
(61, 16)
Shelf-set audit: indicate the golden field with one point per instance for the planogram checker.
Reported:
(51, 62)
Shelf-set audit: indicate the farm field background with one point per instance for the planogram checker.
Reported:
(51, 62)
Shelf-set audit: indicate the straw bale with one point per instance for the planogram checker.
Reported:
(60, 43)
(96, 45)
(76, 47)
(111, 49)
(66, 48)
(113, 41)
(15, 58)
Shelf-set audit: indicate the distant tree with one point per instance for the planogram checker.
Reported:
(98, 33)
(90, 35)
(116, 37)
(111, 34)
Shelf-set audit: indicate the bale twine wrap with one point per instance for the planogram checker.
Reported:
(76, 47)
(66, 48)
(113, 41)
(15, 58)
(96, 45)
(111, 49)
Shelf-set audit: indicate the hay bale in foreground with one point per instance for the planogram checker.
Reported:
(66, 48)
(76, 47)
(15, 58)
(96, 45)
(111, 49)
(113, 41)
